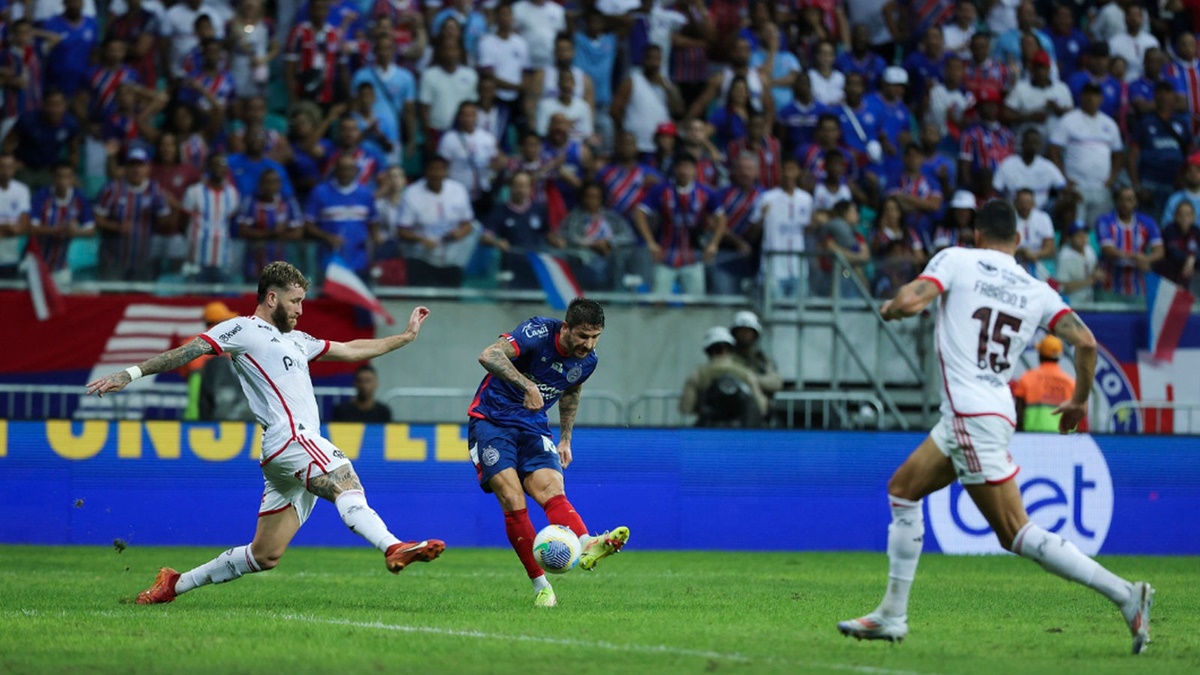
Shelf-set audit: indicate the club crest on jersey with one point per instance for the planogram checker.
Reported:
(490, 456)
(574, 374)
(987, 268)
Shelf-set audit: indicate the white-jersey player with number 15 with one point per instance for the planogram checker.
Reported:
(989, 311)
(298, 465)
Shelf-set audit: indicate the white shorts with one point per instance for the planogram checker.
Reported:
(978, 446)
(287, 470)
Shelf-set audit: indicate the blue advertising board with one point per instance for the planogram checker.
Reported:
(171, 483)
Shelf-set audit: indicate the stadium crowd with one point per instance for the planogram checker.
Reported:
(659, 145)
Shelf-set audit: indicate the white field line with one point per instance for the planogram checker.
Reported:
(591, 644)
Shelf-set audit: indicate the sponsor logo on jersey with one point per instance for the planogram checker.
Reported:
(224, 337)
(1066, 487)
(556, 367)
(540, 330)
(288, 363)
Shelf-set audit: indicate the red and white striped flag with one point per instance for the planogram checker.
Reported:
(341, 283)
(47, 301)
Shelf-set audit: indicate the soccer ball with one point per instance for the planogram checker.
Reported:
(556, 549)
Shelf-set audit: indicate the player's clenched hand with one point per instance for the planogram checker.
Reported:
(418, 316)
(1072, 414)
(533, 397)
(564, 453)
(887, 313)
(109, 384)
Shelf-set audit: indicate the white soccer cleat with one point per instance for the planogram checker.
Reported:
(545, 598)
(875, 626)
(1137, 614)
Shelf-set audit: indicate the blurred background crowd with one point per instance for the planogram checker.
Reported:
(693, 146)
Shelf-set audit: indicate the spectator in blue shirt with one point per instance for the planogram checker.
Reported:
(247, 168)
(1070, 44)
(796, 122)
(1159, 146)
(340, 214)
(43, 138)
(1142, 91)
(395, 95)
(69, 59)
(519, 226)
(1096, 72)
(860, 59)
(1007, 48)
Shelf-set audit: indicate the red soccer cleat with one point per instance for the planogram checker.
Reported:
(163, 589)
(401, 554)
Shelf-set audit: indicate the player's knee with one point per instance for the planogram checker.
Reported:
(266, 560)
(511, 498)
(898, 486)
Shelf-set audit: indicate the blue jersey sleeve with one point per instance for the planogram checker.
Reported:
(531, 334)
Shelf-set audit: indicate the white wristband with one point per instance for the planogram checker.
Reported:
(134, 372)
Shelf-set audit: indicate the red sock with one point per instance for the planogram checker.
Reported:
(520, 535)
(560, 512)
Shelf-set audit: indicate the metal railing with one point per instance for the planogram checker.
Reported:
(834, 409)
(431, 405)
(1152, 415)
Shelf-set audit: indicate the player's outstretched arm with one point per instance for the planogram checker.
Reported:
(497, 359)
(910, 300)
(1071, 329)
(363, 350)
(156, 364)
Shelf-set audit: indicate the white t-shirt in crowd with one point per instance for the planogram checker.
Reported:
(1132, 48)
(1035, 229)
(784, 218)
(1087, 143)
(578, 111)
(538, 24)
(178, 26)
(945, 102)
(824, 198)
(1075, 265)
(435, 214)
(1026, 98)
(508, 60)
(989, 287)
(443, 92)
(470, 156)
(14, 202)
(956, 39)
(828, 90)
(1041, 176)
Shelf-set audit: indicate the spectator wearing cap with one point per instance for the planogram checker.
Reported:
(1130, 245)
(686, 212)
(1189, 192)
(1029, 170)
(983, 72)
(1132, 43)
(437, 221)
(42, 138)
(958, 226)
(1077, 267)
(1095, 71)
(1181, 241)
(895, 121)
(747, 334)
(214, 313)
(950, 99)
(1086, 145)
(644, 101)
(723, 391)
(860, 59)
(737, 259)
(666, 141)
(1159, 148)
(1070, 43)
(984, 145)
(129, 210)
(1007, 47)
(1038, 101)
(1039, 391)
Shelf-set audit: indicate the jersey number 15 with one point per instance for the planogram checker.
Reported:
(993, 332)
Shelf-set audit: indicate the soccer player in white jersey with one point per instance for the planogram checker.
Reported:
(989, 311)
(271, 359)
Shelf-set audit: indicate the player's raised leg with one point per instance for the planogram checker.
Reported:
(271, 538)
(1001, 506)
(342, 487)
(546, 488)
(926, 471)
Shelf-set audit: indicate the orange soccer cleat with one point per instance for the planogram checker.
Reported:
(163, 589)
(401, 554)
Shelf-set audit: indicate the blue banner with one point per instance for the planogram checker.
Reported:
(170, 483)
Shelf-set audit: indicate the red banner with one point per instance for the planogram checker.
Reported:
(120, 330)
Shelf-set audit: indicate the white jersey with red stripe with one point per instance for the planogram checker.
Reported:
(989, 311)
(273, 369)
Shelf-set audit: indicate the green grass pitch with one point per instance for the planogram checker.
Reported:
(338, 610)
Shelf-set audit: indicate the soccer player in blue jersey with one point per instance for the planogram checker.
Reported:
(541, 362)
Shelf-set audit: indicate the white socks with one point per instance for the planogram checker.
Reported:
(363, 521)
(540, 583)
(1061, 557)
(226, 567)
(906, 536)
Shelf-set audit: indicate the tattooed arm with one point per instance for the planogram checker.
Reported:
(1074, 332)
(497, 359)
(568, 405)
(910, 300)
(155, 364)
